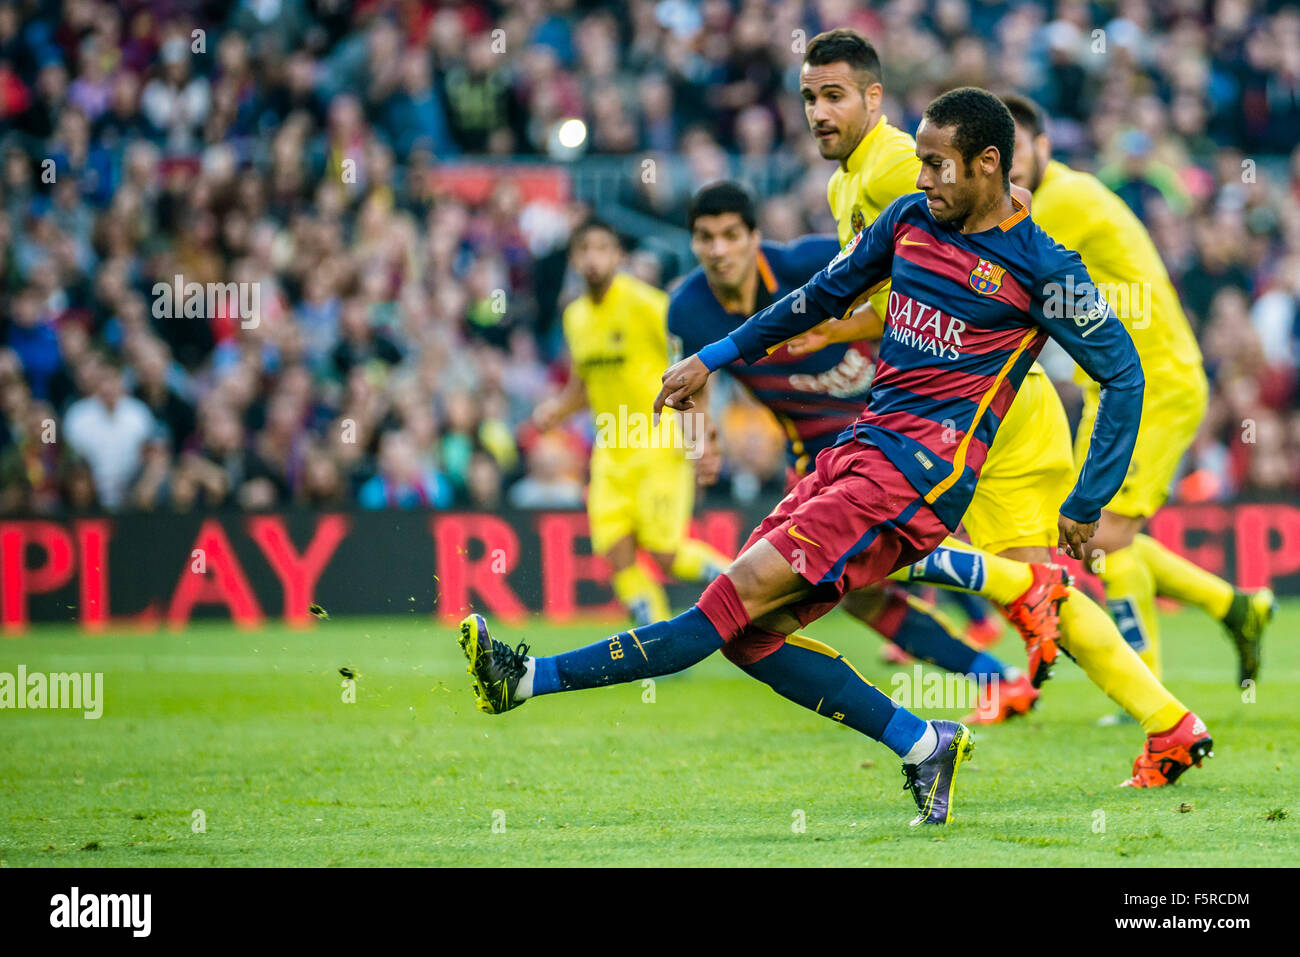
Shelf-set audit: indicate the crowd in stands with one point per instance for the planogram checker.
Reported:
(324, 161)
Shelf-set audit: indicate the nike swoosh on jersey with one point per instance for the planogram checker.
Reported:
(794, 532)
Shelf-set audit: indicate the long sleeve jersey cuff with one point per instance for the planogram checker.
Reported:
(1080, 511)
(718, 354)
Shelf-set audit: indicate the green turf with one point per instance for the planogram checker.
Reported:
(250, 729)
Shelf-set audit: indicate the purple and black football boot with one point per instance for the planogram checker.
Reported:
(932, 781)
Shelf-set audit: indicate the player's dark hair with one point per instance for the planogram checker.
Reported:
(587, 225)
(845, 46)
(1026, 113)
(978, 120)
(723, 197)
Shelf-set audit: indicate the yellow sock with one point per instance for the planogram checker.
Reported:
(1090, 635)
(1005, 580)
(697, 561)
(1184, 581)
(1131, 598)
(643, 597)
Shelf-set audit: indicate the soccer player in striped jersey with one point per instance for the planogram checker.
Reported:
(1122, 259)
(814, 398)
(1030, 469)
(893, 488)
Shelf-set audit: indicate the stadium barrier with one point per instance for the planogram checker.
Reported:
(149, 571)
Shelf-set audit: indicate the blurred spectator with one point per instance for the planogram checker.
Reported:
(109, 430)
(403, 481)
(332, 154)
(551, 480)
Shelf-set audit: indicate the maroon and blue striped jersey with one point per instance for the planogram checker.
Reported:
(967, 316)
(814, 397)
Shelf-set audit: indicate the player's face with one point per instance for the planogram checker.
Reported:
(951, 186)
(596, 256)
(1032, 153)
(726, 248)
(839, 111)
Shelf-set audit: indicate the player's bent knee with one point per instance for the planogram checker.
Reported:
(865, 604)
(751, 645)
(764, 580)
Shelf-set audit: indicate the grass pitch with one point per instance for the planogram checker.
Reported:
(220, 748)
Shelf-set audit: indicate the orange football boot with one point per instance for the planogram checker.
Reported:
(981, 634)
(1003, 699)
(1170, 753)
(1037, 616)
(891, 653)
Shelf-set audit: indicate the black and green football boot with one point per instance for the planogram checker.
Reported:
(494, 666)
(1247, 617)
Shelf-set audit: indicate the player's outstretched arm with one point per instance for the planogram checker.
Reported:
(860, 266)
(553, 411)
(860, 324)
(1069, 307)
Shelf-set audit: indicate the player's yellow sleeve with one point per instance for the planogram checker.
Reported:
(893, 176)
(568, 324)
(656, 308)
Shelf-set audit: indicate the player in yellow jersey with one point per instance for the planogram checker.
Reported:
(1127, 269)
(642, 475)
(1029, 469)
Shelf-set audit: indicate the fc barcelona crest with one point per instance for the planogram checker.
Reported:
(857, 220)
(986, 278)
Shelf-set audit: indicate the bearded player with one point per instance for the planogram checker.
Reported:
(1030, 468)
(1122, 259)
(892, 489)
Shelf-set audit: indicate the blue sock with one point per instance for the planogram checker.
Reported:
(823, 681)
(903, 731)
(950, 566)
(659, 649)
(984, 665)
(975, 608)
(922, 634)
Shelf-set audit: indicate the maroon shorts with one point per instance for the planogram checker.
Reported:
(849, 523)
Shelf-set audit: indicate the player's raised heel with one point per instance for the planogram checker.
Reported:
(494, 667)
(1168, 755)
(933, 782)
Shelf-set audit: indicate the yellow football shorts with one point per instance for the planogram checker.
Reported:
(1027, 475)
(649, 495)
(1172, 409)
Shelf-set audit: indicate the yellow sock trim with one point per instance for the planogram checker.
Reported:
(1184, 581)
(930, 611)
(1131, 595)
(812, 644)
(634, 585)
(1089, 634)
(695, 561)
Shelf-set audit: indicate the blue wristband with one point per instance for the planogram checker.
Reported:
(718, 354)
